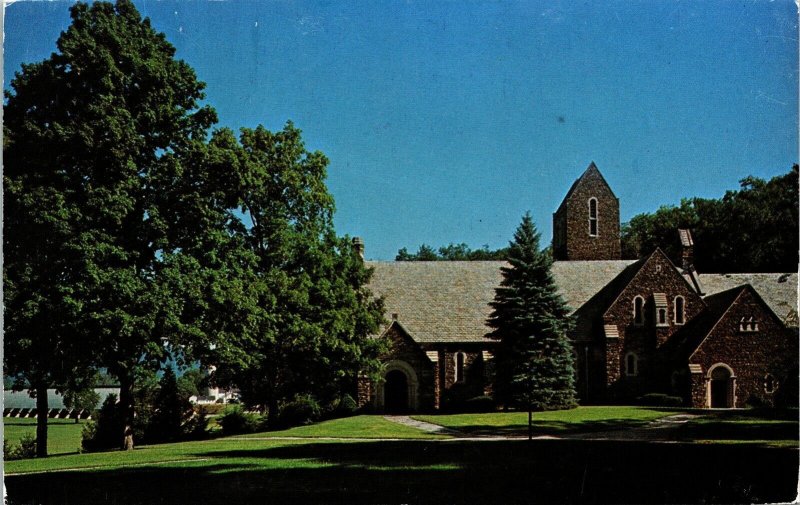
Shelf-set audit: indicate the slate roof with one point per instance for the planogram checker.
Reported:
(448, 301)
(779, 291)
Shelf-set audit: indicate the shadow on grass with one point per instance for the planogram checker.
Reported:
(552, 427)
(544, 471)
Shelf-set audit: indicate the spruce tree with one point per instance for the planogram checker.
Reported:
(534, 362)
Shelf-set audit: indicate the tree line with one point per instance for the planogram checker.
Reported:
(752, 229)
(136, 234)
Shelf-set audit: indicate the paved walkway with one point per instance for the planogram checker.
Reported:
(422, 425)
(659, 430)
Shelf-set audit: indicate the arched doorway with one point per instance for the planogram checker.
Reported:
(396, 391)
(721, 387)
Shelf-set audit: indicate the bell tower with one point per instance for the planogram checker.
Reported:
(586, 224)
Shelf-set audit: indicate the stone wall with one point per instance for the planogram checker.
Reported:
(752, 355)
(571, 238)
(656, 275)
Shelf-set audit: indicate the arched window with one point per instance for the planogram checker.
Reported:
(631, 364)
(770, 384)
(662, 317)
(638, 311)
(459, 367)
(593, 217)
(680, 316)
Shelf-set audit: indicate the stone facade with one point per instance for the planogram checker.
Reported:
(645, 326)
(754, 346)
(586, 224)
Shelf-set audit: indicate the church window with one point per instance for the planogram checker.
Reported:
(593, 217)
(631, 364)
(770, 385)
(680, 305)
(460, 367)
(662, 317)
(638, 311)
(748, 325)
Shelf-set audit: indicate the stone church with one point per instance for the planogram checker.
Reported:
(641, 326)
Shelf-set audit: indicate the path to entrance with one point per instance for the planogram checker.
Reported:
(422, 425)
(659, 430)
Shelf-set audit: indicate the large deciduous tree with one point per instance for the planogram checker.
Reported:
(534, 361)
(102, 210)
(307, 312)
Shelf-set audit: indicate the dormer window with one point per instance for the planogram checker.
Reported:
(680, 310)
(638, 311)
(748, 325)
(592, 217)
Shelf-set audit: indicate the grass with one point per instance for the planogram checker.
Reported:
(245, 470)
(261, 468)
(581, 419)
(63, 435)
(351, 427)
(772, 428)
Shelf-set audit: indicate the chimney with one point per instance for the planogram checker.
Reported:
(358, 245)
(687, 249)
(687, 259)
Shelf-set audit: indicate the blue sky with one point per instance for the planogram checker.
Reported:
(446, 121)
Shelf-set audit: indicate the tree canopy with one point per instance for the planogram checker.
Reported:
(132, 238)
(753, 229)
(533, 361)
(452, 252)
(307, 308)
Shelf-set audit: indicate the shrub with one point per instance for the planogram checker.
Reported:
(347, 407)
(27, 446)
(105, 432)
(481, 403)
(660, 400)
(196, 427)
(10, 451)
(236, 420)
(300, 411)
(211, 408)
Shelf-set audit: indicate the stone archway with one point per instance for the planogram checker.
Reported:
(398, 392)
(721, 387)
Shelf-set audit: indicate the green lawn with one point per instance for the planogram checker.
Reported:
(246, 470)
(554, 422)
(772, 428)
(257, 468)
(63, 435)
(351, 427)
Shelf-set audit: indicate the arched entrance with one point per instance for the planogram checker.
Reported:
(721, 387)
(396, 391)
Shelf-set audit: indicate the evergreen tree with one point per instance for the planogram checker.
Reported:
(534, 362)
(170, 409)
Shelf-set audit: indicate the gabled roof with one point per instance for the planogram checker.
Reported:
(778, 290)
(686, 341)
(590, 171)
(448, 301)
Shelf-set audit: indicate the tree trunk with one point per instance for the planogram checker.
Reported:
(41, 420)
(127, 411)
(272, 414)
(530, 423)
